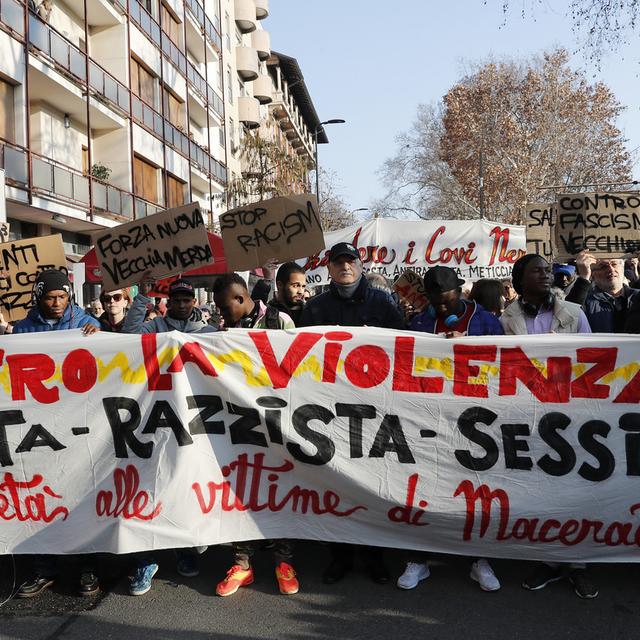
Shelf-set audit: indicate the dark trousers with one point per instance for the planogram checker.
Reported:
(345, 553)
(243, 551)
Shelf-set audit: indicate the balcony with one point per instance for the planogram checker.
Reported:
(249, 111)
(247, 63)
(262, 89)
(54, 179)
(12, 15)
(261, 42)
(100, 13)
(245, 15)
(15, 162)
(262, 9)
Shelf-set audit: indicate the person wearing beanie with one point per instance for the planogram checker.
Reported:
(53, 309)
(537, 310)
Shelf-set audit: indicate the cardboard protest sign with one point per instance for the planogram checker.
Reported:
(165, 243)
(280, 228)
(605, 224)
(20, 263)
(410, 288)
(539, 223)
(4, 232)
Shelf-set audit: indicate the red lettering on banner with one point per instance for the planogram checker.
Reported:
(405, 514)
(130, 500)
(79, 371)
(631, 392)
(500, 246)
(33, 506)
(569, 533)
(280, 372)
(604, 360)
(156, 381)
(297, 499)
(332, 353)
(367, 366)
(403, 378)
(446, 255)
(462, 370)
(515, 365)
(30, 370)
(192, 352)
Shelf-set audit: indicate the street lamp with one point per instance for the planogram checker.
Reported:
(315, 138)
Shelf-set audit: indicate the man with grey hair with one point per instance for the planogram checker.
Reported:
(609, 298)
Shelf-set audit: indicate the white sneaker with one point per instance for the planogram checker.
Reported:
(482, 573)
(413, 574)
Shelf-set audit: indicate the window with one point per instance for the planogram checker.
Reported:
(145, 179)
(170, 25)
(229, 84)
(173, 109)
(142, 83)
(175, 191)
(232, 136)
(227, 31)
(221, 136)
(7, 115)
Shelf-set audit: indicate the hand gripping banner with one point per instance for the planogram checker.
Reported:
(515, 447)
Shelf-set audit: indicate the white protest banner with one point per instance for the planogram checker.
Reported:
(511, 446)
(605, 224)
(165, 243)
(280, 228)
(21, 261)
(474, 248)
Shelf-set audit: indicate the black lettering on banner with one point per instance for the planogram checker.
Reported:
(548, 429)
(122, 429)
(390, 439)
(38, 436)
(512, 445)
(630, 422)
(467, 427)
(356, 414)
(324, 445)
(242, 430)
(607, 463)
(7, 418)
(164, 417)
(208, 406)
(273, 416)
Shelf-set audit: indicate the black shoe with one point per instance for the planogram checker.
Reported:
(542, 576)
(335, 572)
(378, 573)
(582, 584)
(34, 586)
(89, 584)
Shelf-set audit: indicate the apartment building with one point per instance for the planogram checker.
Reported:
(111, 110)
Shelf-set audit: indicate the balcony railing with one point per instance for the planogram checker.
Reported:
(174, 54)
(211, 30)
(110, 199)
(108, 87)
(12, 15)
(204, 89)
(15, 162)
(56, 179)
(144, 20)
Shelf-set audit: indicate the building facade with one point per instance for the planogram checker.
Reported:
(111, 110)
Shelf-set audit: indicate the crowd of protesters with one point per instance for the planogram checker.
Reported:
(587, 295)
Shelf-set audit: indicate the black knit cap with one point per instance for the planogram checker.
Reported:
(50, 280)
(519, 266)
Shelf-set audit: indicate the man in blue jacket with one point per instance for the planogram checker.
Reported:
(53, 309)
(448, 314)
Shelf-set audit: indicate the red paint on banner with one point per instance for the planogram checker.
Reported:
(129, 501)
(19, 500)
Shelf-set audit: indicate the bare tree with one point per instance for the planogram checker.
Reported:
(334, 211)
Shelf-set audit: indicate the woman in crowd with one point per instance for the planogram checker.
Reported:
(115, 305)
(490, 295)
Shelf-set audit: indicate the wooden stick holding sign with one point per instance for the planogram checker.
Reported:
(410, 288)
(282, 228)
(20, 263)
(605, 224)
(163, 244)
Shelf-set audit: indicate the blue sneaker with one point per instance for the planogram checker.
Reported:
(140, 582)
(187, 564)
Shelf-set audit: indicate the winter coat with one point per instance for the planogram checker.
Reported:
(367, 307)
(73, 318)
(482, 322)
(599, 309)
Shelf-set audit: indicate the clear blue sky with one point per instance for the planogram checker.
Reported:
(372, 62)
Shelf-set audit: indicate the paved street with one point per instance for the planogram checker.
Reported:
(448, 605)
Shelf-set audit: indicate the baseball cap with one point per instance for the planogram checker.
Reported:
(343, 249)
(439, 279)
(181, 286)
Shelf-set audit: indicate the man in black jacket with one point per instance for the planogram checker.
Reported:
(351, 302)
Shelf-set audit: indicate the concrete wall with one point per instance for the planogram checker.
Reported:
(108, 47)
(111, 149)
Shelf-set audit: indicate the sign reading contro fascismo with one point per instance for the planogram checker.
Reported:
(495, 446)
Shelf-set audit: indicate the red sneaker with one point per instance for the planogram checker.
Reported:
(287, 581)
(236, 577)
